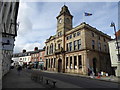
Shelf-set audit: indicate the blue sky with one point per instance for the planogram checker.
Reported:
(38, 20)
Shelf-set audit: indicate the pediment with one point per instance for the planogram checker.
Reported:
(59, 40)
(51, 37)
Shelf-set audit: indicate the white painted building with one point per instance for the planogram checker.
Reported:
(22, 58)
(8, 32)
(16, 61)
(114, 56)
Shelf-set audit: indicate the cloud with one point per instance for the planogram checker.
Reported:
(38, 20)
(35, 26)
(103, 14)
(28, 46)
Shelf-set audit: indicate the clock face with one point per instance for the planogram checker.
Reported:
(60, 21)
(67, 20)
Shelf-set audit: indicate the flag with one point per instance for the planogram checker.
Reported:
(112, 24)
(87, 14)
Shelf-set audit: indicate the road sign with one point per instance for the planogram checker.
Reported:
(6, 43)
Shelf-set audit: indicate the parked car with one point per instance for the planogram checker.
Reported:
(11, 67)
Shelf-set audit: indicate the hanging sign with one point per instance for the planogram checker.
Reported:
(7, 43)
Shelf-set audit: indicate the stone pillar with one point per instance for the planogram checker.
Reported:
(85, 71)
(53, 63)
(47, 63)
(56, 65)
(83, 65)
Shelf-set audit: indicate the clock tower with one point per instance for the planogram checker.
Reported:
(64, 20)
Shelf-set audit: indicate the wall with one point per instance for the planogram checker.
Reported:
(7, 16)
(113, 53)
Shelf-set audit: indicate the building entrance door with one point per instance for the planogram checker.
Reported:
(59, 65)
(94, 65)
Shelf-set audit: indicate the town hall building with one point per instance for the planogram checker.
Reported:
(77, 49)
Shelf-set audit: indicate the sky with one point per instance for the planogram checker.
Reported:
(37, 20)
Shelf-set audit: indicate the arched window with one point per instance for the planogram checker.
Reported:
(55, 47)
(47, 50)
(51, 48)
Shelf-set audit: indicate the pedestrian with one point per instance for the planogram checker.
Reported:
(19, 68)
(101, 73)
(106, 74)
(89, 72)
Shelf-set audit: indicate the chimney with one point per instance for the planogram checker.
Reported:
(36, 48)
(118, 34)
(23, 51)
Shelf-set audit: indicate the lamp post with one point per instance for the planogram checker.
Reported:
(116, 38)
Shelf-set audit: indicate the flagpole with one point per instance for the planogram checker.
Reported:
(83, 17)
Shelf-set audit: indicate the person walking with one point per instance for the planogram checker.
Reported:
(19, 69)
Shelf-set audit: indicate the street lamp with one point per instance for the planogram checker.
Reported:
(116, 38)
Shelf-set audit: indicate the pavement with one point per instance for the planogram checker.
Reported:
(0, 84)
(14, 80)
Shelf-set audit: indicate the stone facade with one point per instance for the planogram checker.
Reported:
(8, 32)
(115, 63)
(75, 50)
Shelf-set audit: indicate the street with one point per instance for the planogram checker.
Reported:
(13, 80)
(78, 81)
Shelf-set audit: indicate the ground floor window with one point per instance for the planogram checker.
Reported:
(66, 62)
(71, 62)
(54, 62)
(49, 63)
(75, 62)
(46, 63)
(80, 61)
